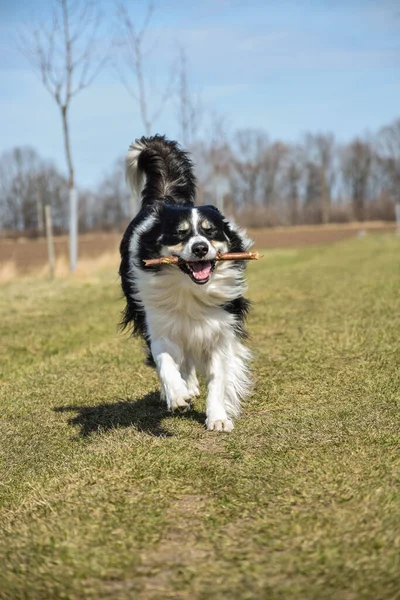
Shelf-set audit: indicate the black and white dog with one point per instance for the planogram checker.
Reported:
(191, 314)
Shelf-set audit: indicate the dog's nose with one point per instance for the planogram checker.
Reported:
(200, 249)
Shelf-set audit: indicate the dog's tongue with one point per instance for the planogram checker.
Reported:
(201, 270)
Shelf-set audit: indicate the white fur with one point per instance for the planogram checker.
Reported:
(195, 220)
(135, 177)
(189, 331)
(186, 251)
(134, 241)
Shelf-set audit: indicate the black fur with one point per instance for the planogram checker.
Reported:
(239, 307)
(168, 170)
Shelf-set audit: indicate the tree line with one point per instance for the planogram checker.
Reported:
(263, 182)
(316, 180)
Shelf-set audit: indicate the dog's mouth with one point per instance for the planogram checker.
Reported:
(199, 272)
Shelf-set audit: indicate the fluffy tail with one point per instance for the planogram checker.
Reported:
(157, 169)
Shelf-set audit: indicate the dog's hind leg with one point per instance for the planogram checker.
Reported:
(167, 358)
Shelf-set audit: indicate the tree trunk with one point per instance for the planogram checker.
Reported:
(73, 229)
(294, 208)
(324, 200)
(73, 198)
(358, 204)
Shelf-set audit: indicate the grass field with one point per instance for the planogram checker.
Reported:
(106, 496)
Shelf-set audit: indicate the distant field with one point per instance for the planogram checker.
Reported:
(106, 496)
(24, 256)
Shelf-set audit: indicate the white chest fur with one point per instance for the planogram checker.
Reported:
(189, 314)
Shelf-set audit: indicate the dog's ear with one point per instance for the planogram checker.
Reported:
(238, 240)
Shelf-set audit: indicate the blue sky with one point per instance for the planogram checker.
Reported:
(281, 66)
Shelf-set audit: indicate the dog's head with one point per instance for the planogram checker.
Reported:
(195, 236)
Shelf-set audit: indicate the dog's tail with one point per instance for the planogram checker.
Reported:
(157, 169)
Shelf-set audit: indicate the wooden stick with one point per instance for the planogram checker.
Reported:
(174, 260)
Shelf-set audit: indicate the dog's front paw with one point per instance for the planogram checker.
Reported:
(180, 404)
(219, 425)
(176, 395)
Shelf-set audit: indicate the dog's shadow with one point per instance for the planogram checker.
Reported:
(145, 414)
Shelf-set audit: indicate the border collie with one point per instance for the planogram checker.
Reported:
(191, 315)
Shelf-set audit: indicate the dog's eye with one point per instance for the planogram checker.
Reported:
(183, 228)
(207, 226)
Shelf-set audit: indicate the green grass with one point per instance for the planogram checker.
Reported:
(106, 496)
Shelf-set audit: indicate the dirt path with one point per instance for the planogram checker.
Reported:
(27, 256)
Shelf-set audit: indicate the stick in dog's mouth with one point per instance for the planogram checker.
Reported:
(176, 260)
(199, 271)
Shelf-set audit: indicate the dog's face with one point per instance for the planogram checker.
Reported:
(196, 236)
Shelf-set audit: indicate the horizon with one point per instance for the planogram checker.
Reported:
(286, 70)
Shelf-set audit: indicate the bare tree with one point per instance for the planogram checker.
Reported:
(313, 190)
(390, 156)
(248, 152)
(20, 198)
(272, 163)
(321, 152)
(52, 187)
(190, 107)
(27, 185)
(212, 156)
(111, 209)
(132, 70)
(292, 178)
(356, 160)
(64, 53)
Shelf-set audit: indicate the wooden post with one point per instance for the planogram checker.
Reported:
(50, 242)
